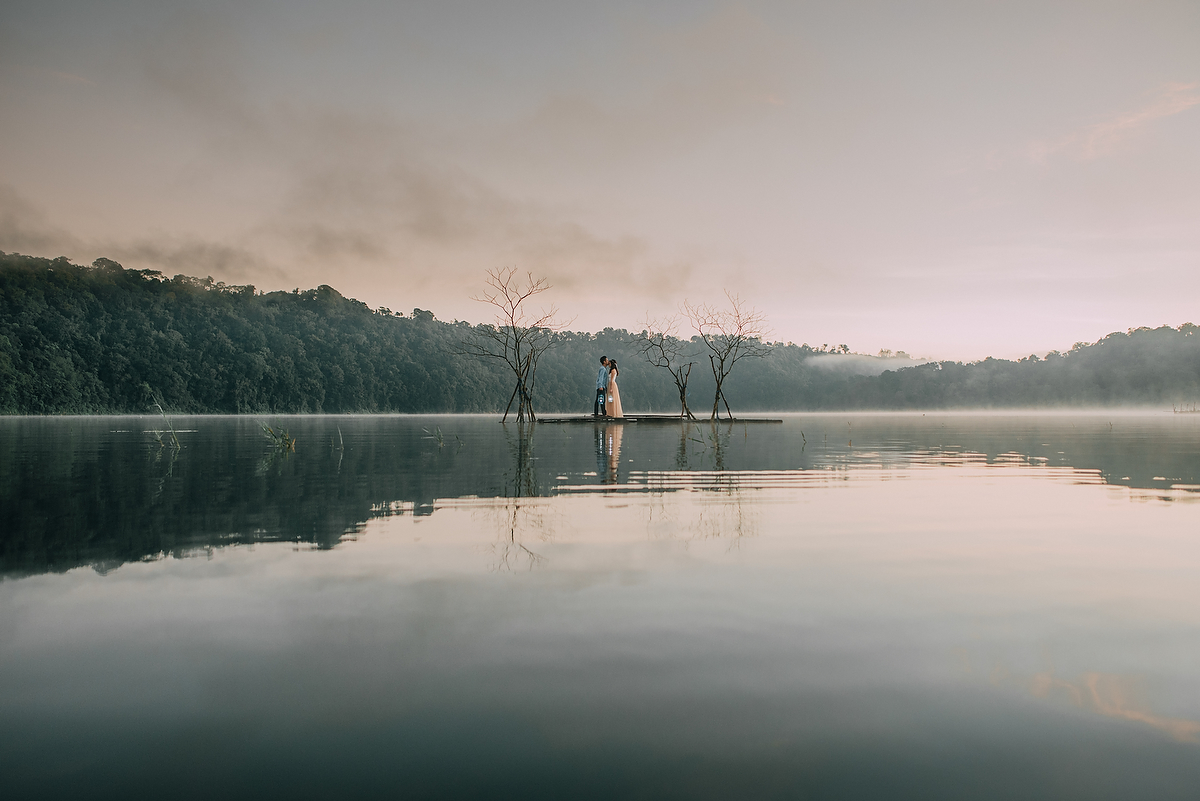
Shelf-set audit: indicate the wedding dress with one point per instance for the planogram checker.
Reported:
(613, 406)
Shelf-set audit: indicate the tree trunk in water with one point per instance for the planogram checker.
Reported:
(510, 400)
(525, 404)
(681, 382)
(684, 411)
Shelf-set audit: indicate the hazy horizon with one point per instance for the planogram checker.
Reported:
(954, 182)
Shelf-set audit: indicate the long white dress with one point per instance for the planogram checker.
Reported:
(613, 407)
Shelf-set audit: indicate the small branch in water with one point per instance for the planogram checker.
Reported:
(158, 435)
(279, 438)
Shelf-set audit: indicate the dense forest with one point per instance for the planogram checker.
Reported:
(77, 339)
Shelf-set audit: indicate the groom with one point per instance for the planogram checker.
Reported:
(601, 387)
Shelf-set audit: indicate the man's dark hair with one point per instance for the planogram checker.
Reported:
(603, 359)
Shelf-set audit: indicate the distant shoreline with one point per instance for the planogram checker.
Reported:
(1014, 412)
(78, 340)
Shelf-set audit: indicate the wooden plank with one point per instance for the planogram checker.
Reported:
(655, 418)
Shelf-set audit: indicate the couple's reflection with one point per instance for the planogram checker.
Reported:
(608, 451)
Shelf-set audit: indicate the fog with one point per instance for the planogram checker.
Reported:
(858, 364)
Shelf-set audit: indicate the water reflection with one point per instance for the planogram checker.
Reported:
(725, 611)
(96, 491)
(519, 518)
(523, 478)
(612, 439)
(518, 525)
(1113, 696)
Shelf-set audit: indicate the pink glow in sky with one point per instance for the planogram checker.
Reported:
(950, 179)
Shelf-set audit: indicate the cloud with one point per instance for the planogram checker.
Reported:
(669, 87)
(24, 228)
(191, 257)
(1108, 137)
(363, 190)
(237, 166)
(368, 197)
(320, 191)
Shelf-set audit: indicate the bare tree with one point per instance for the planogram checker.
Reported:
(518, 337)
(660, 345)
(728, 335)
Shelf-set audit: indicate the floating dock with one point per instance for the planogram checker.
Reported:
(653, 418)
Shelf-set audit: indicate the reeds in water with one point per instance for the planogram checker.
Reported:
(279, 437)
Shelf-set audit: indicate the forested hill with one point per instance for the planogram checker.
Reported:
(77, 339)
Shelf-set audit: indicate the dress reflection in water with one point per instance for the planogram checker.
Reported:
(613, 406)
(613, 447)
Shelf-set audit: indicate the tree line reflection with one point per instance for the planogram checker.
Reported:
(99, 492)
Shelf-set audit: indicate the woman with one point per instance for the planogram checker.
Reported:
(613, 405)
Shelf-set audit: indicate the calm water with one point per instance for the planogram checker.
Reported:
(841, 606)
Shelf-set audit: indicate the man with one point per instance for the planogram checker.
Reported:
(601, 387)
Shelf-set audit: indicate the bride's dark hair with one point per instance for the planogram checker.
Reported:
(612, 364)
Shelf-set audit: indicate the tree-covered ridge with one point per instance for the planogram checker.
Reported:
(97, 339)
(79, 339)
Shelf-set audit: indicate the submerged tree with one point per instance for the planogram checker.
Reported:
(660, 345)
(729, 335)
(518, 337)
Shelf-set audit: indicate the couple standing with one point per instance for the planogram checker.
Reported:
(608, 396)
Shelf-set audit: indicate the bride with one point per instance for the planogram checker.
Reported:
(613, 406)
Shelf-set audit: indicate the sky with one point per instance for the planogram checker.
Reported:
(955, 180)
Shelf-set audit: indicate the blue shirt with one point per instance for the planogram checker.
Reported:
(602, 379)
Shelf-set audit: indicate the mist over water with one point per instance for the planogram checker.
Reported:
(924, 606)
(859, 364)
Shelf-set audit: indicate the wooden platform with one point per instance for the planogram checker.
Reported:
(653, 418)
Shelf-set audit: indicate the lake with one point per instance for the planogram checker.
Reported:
(838, 606)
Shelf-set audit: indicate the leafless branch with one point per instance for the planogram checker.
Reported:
(518, 336)
(660, 345)
(729, 334)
